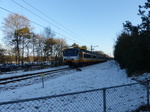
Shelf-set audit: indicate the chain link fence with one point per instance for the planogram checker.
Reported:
(124, 98)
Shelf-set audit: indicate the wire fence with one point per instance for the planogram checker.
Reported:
(124, 98)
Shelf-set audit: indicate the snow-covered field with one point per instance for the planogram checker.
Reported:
(92, 77)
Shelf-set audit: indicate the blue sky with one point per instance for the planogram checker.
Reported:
(86, 22)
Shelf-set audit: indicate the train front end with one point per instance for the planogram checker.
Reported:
(71, 57)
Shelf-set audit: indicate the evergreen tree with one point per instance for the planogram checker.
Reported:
(132, 48)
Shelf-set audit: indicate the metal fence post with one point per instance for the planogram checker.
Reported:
(147, 93)
(104, 100)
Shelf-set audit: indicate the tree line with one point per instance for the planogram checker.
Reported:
(23, 45)
(132, 48)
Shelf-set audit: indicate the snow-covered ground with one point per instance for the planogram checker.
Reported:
(21, 72)
(97, 76)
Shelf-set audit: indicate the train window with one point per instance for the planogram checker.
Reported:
(87, 56)
(81, 54)
(70, 52)
(94, 56)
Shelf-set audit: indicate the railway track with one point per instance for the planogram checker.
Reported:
(29, 76)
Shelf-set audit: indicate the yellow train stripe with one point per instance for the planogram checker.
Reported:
(80, 61)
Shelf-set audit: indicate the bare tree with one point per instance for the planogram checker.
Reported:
(49, 43)
(2, 55)
(33, 42)
(60, 44)
(16, 27)
(39, 47)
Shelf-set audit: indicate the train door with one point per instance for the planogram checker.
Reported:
(81, 58)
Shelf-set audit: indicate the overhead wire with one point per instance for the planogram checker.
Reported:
(38, 24)
(44, 19)
(53, 19)
(48, 17)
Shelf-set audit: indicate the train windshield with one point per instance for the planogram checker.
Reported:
(70, 52)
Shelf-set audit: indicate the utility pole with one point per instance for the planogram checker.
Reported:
(92, 47)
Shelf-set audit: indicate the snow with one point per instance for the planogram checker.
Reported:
(97, 76)
(21, 72)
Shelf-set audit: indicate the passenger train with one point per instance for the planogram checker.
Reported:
(78, 57)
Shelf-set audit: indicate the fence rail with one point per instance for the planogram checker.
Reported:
(112, 99)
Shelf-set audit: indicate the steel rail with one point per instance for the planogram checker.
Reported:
(28, 76)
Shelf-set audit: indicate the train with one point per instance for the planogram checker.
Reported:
(75, 57)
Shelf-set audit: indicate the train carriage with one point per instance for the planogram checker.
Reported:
(71, 56)
(79, 57)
